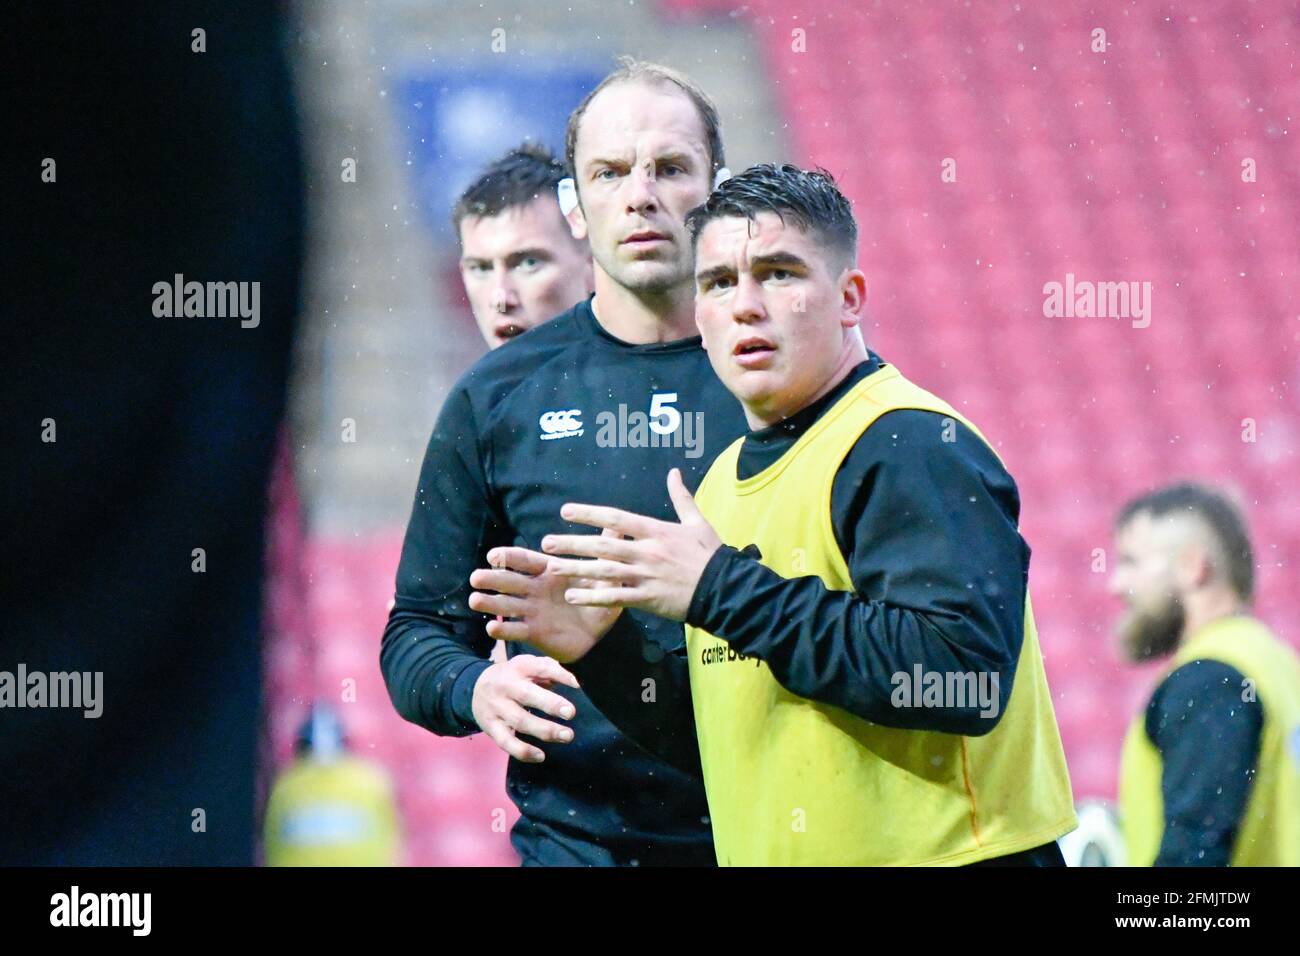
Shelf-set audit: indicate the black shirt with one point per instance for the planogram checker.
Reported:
(565, 412)
(1208, 739)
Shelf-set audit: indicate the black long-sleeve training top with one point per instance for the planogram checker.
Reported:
(928, 529)
(1208, 740)
(565, 412)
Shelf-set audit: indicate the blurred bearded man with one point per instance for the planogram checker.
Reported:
(1210, 774)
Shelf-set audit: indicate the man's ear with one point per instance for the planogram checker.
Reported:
(577, 223)
(853, 298)
(1193, 566)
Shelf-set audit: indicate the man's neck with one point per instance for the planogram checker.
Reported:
(852, 355)
(1204, 610)
(641, 318)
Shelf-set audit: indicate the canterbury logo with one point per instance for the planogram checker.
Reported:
(562, 424)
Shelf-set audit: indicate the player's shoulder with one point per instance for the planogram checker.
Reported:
(1203, 676)
(921, 425)
(916, 428)
(916, 441)
(502, 369)
(1205, 688)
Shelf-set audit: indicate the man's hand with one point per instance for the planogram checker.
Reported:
(505, 689)
(639, 562)
(534, 601)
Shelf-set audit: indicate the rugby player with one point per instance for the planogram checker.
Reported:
(520, 434)
(519, 260)
(861, 537)
(1210, 773)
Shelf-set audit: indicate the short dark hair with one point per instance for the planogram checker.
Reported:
(1219, 513)
(526, 172)
(808, 198)
(631, 69)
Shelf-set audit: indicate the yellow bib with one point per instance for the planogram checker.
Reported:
(793, 781)
(1269, 834)
(332, 813)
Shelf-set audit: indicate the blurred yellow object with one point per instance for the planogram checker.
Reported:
(330, 808)
(334, 813)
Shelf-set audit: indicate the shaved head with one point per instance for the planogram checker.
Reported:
(1174, 546)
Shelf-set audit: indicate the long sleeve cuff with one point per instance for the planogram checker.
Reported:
(708, 610)
(462, 693)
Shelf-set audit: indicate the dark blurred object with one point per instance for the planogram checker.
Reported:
(169, 161)
(321, 735)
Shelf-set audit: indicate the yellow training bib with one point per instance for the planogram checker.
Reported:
(793, 781)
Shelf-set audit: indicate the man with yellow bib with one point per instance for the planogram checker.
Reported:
(864, 673)
(1210, 773)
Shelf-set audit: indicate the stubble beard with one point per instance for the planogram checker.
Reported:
(665, 278)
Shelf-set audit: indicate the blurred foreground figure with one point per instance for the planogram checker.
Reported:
(1210, 773)
(157, 197)
(330, 808)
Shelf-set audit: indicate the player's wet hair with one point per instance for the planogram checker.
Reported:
(526, 172)
(630, 70)
(810, 199)
(1218, 513)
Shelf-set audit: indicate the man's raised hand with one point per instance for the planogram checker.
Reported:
(636, 561)
(534, 601)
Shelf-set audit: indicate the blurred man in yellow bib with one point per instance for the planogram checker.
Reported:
(1210, 774)
(864, 671)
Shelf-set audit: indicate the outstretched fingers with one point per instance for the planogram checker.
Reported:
(522, 560)
(607, 596)
(607, 544)
(615, 519)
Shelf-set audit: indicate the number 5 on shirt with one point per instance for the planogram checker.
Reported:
(664, 419)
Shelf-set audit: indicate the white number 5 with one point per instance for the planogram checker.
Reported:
(664, 419)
